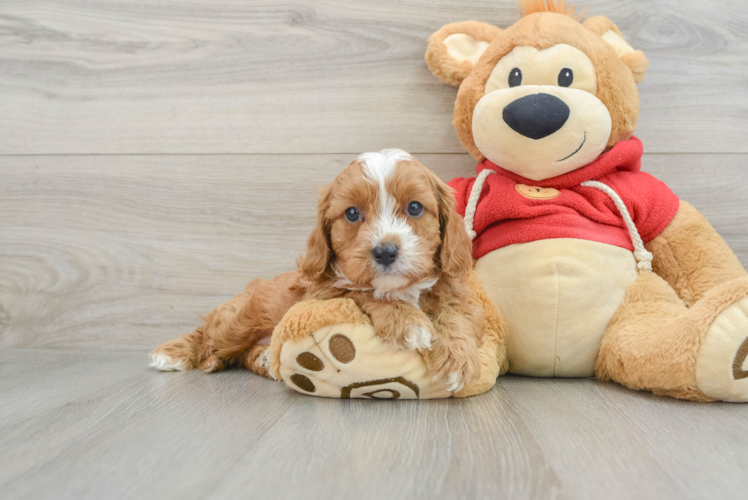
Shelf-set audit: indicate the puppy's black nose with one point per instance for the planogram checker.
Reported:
(536, 115)
(385, 254)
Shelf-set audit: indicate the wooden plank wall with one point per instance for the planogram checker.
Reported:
(154, 156)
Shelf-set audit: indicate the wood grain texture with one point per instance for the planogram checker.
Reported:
(108, 427)
(121, 220)
(125, 252)
(310, 76)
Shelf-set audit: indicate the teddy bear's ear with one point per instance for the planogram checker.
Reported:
(634, 59)
(456, 47)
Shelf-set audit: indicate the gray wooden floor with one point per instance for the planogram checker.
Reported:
(99, 424)
(155, 156)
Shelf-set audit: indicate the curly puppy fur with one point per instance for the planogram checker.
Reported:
(418, 301)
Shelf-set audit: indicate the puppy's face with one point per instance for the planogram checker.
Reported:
(386, 223)
(384, 217)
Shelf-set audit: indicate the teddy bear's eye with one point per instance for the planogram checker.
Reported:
(565, 77)
(515, 77)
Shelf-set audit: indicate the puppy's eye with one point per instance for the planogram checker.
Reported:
(515, 77)
(415, 209)
(565, 77)
(352, 214)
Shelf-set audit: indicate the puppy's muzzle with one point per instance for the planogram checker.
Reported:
(385, 254)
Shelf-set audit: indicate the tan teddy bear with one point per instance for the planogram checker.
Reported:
(597, 267)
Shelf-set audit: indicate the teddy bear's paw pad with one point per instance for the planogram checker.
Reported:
(389, 388)
(722, 362)
(350, 361)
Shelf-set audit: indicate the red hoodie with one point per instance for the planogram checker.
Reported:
(504, 216)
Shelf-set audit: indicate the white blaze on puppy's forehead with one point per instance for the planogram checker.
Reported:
(379, 166)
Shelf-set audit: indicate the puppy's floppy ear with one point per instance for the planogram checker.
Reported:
(318, 246)
(456, 252)
(609, 32)
(456, 47)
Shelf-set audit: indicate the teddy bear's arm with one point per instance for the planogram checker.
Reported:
(692, 257)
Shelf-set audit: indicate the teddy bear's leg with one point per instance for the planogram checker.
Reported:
(692, 257)
(656, 343)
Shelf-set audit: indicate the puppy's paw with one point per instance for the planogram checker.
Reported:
(418, 338)
(166, 363)
(212, 364)
(457, 366)
(176, 355)
(455, 383)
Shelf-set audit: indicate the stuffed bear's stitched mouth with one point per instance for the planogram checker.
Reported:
(577, 151)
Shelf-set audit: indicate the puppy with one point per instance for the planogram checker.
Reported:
(388, 237)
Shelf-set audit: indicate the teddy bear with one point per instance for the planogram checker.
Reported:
(597, 267)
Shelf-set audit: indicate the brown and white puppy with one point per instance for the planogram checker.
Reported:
(388, 237)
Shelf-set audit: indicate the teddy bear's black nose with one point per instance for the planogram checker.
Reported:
(536, 115)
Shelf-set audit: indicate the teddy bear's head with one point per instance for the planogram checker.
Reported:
(545, 96)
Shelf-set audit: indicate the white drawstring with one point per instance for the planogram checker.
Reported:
(643, 257)
(472, 203)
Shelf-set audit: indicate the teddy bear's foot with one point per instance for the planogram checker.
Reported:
(350, 361)
(722, 361)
